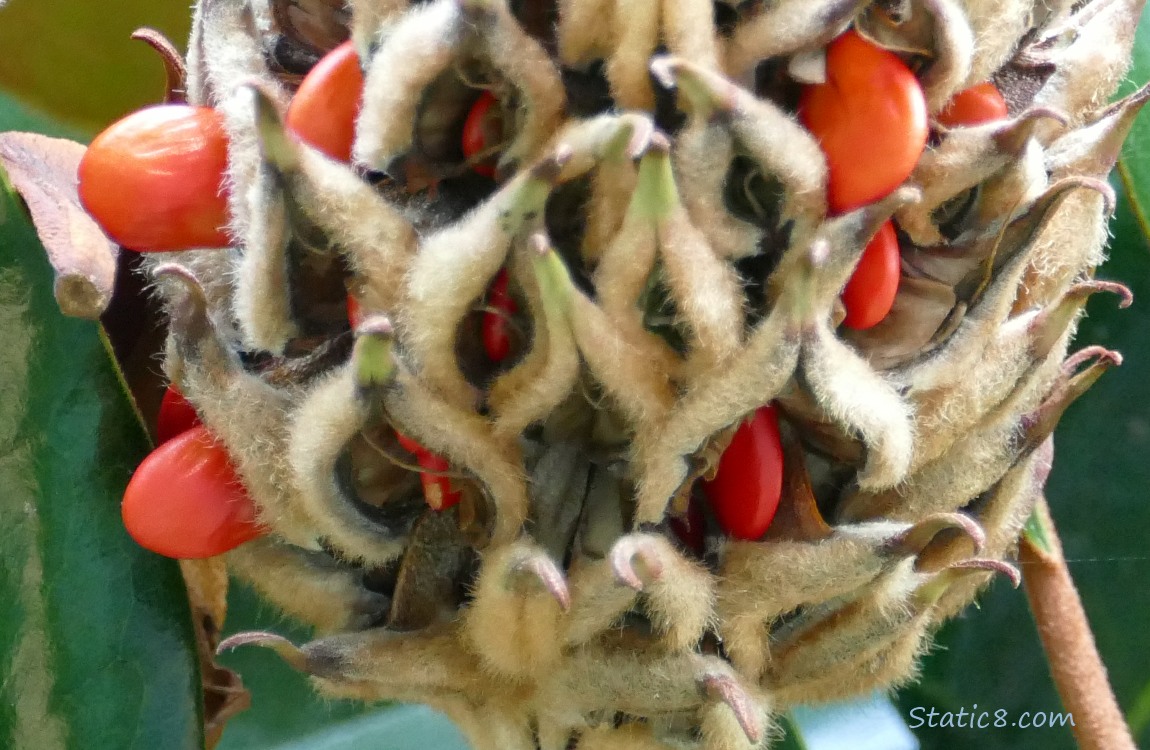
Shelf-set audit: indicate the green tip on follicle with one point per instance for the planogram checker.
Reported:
(705, 91)
(372, 356)
(525, 197)
(656, 195)
(276, 145)
(555, 285)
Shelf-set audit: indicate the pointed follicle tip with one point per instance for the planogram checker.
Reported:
(663, 69)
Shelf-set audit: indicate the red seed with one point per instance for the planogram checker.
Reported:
(176, 415)
(185, 500)
(354, 313)
(496, 327)
(973, 106)
(748, 485)
(154, 181)
(870, 293)
(325, 108)
(482, 129)
(870, 119)
(437, 490)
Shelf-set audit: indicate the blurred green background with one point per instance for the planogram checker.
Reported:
(68, 68)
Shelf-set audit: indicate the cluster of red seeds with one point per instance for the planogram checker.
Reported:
(155, 182)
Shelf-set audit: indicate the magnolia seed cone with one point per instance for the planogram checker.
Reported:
(662, 217)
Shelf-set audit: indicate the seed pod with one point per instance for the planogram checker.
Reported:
(870, 293)
(436, 488)
(176, 415)
(324, 109)
(185, 500)
(496, 325)
(974, 106)
(745, 491)
(870, 118)
(480, 133)
(154, 180)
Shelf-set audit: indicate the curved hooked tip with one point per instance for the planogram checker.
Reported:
(928, 594)
(1039, 424)
(726, 688)
(1012, 136)
(1093, 286)
(175, 70)
(629, 550)
(663, 68)
(191, 313)
(1104, 358)
(1130, 104)
(705, 90)
(639, 128)
(1055, 192)
(543, 570)
(288, 651)
(992, 566)
(1047, 327)
(920, 536)
(606, 138)
(181, 274)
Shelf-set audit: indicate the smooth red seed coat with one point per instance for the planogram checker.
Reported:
(748, 485)
(974, 106)
(870, 293)
(437, 490)
(481, 129)
(495, 327)
(326, 106)
(870, 119)
(176, 415)
(354, 313)
(185, 500)
(154, 181)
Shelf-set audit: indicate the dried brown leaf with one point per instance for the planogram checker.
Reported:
(224, 693)
(43, 171)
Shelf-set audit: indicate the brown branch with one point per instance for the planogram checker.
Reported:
(1073, 657)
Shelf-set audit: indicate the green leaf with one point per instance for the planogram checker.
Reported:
(287, 714)
(17, 116)
(1134, 166)
(284, 705)
(1097, 493)
(96, 646)
(792, 739)
(76, 61)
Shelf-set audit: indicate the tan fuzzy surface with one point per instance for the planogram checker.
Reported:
(650, 196)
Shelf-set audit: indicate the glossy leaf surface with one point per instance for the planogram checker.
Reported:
(96, 642)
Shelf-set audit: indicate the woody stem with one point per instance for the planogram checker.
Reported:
(1075, 664)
